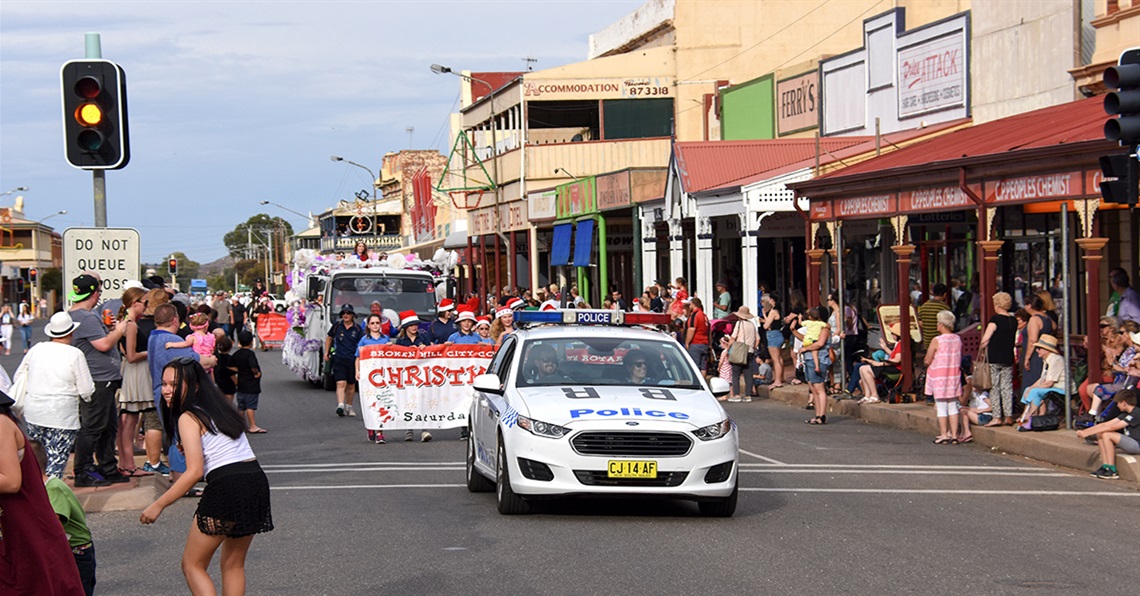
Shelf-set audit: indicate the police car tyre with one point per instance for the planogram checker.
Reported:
(508, 502)
(476, 482)
(279, 308)
(725, 507)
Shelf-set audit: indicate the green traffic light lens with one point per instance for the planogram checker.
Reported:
(88, 88)
(90, 140)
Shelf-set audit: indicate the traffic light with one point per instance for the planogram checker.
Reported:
(172, 265)
(20, 286)
(1121, 175)
(1124, 103)
(95, 132)
(32, 275)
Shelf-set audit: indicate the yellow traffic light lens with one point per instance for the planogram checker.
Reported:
(89, 114)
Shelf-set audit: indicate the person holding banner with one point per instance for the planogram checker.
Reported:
(466, 334)
(410, 331)
(343, 338)
(483, 328)
(376, 335)
(442, 328)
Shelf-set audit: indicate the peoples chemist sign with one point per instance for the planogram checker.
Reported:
(420, 387)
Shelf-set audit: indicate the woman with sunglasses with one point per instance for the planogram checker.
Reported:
(137, 392)
(637, 367)
(235, 505)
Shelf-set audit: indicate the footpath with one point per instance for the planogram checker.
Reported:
(1060, 447)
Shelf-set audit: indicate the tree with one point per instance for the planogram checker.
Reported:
(249, 271)
(255, 234)
(187, 269)
(51, 280)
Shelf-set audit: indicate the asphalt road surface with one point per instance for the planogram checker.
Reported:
(848, 507)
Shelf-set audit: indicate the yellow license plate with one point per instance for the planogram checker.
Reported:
(621, 468)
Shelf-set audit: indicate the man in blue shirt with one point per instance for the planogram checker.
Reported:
(166, 325)
(343, 337)
(442, 328)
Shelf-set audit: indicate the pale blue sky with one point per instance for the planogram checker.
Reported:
(235, 102)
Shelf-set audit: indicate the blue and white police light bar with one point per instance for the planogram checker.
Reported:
(590, 317)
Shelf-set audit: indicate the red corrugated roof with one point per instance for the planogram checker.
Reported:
(705, 165)
(1073, 122)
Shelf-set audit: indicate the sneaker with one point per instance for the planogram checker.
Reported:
(734, 400)
(85, 479)
(380, 438)
(371, 436)
(408, 436)
(463, 434)
(340, 410)
(425, 436)
(351, 412)
(161, 468)
(1103, 472)
(116, 478)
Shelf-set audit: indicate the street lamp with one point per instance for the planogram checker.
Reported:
(440, 69)
(375, 183)
(17, 189)
(308, 218)
(36, 251)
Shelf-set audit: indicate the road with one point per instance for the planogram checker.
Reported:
(847, 507)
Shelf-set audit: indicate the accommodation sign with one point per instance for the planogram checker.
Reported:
(623, 88)
(932, 75)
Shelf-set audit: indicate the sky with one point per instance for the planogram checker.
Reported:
(235, 102)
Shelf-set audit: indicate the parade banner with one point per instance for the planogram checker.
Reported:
(419, 388)
(271, 328)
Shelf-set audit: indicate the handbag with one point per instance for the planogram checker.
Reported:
(981, 375)
(738, 353)
(1041, 423)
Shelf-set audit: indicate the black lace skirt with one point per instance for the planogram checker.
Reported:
(235, 502)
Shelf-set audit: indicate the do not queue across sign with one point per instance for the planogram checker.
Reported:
(110, 253)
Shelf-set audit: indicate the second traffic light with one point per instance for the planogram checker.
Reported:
(95, 132)
(1121, 176)
(172, 265)
(1124, 102)
(32, 275)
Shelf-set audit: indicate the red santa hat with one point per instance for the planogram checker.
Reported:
(516, 303)
(446, 304)
(408, 317)
(549, 306)
(504, 311)
(481, 321)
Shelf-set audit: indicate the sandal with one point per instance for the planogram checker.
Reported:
(942, 441)
(969, 439)
(194, 492)
(135, 473)
(817, 420)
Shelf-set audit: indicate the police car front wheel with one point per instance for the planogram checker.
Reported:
(476, 482)
(721, 507)
(508, 502)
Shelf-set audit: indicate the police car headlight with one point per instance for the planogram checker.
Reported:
(542, 429)
(714, 431)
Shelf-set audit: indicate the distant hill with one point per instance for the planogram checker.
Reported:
(207, 270)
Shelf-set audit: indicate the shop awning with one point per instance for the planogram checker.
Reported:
(560, 246)
(456, 240)
(584, 243)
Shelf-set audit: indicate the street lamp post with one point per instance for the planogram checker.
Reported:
(375, 224)
(17, 189)
(440, 69)
(36, 255)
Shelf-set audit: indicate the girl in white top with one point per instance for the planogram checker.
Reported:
(54, 377)
(25, 319)
(7, 321)
(235, 505)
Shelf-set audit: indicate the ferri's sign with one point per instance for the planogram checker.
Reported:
(623, 88)
(420, 387)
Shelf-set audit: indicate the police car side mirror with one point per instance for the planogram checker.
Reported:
(717, 386)
(491, 384)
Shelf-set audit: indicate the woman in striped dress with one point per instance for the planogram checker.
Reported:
(944, 377)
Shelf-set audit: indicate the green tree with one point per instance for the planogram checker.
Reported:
(187, 269)
(51, 280)
(249, 271)
(255, 234)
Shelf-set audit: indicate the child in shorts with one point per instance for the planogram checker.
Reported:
(74, 520)
(244, 363)
(764, 375)
(811, 330)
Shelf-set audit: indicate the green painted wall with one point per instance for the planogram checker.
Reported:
(748, 110)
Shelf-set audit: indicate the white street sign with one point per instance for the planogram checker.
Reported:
(110, 253)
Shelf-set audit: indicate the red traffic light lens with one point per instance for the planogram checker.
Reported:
(88, 87)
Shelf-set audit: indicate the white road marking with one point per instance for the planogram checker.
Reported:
(352, 486)
(924, 472)
(901, 467)
(363, 463)
(767, 459)
(934, 491)
(365, 469)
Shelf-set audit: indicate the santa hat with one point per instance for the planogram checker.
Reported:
(504, 311)
(515, 303)
(466, 315)
(408, 317)
(481, 321)
(549, 306)
(446, 304)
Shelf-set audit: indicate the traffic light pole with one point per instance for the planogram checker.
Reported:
(98, 177)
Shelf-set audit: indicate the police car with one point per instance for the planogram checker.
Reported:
(584, 402)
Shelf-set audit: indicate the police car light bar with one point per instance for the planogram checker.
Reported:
(591, 317)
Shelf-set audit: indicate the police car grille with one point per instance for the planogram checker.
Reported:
(594, 478)
(630, 444)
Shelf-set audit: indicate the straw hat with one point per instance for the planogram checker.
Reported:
(895, 328)
(743, 313)
(1047, 342)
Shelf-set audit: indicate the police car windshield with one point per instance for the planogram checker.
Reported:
(398, 293)
(605, 361)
